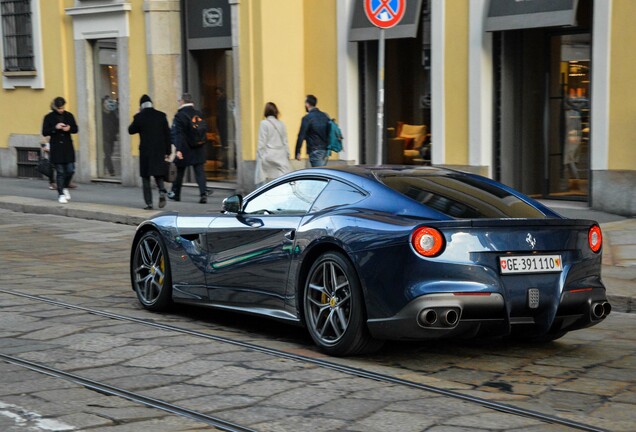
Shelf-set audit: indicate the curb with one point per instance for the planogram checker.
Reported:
(100, 212)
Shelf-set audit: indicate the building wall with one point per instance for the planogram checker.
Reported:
(138, 73)
(23, 108)
(456, 83)
(162, 37)
(321, 69)
(614, 162)
(622, 119)
(283, 63)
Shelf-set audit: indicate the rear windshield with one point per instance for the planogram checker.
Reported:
(460, 196)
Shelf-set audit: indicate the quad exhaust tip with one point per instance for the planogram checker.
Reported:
(428, 317)
(439, 317)
(601, 309)
(450, 318)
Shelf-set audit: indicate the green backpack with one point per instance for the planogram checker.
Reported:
(335, 137)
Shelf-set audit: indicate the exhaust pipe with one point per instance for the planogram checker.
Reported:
(450, 318)
(598, 311)
(427, 317)
(607, 308)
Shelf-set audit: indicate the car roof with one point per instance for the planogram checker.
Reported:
(373, 170)
(371, 178)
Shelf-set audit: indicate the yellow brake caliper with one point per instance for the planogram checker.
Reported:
(163, 270)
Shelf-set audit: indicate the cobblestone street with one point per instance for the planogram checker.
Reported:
(588, 377)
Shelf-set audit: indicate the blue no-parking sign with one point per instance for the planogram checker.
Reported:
(384, 13)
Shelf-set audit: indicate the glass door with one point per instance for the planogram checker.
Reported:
(107, 110)
(215, 74)
(568, 141)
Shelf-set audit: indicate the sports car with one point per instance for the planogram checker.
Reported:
(363, 254)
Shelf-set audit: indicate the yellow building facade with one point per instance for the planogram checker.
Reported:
(468, 84)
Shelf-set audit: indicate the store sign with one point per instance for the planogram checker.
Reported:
(213, 17)
(522, 14)
(208, 24)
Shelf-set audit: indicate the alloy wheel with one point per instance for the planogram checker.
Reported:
(329, 302)
(149, 270)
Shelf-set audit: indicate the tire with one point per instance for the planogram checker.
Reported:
(334, 311)
(150, 273)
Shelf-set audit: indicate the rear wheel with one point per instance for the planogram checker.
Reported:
(334, 307)
(150, 272)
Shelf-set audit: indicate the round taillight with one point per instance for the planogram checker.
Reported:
(427, 241)
(595, 238)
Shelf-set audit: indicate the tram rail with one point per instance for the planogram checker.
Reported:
(349, 370)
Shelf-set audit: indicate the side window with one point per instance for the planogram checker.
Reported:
(337, 194)
(294, 197)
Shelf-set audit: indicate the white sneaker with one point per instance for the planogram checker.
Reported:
(62, 199)
(67, 194)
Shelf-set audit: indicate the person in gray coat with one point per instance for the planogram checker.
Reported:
(272, 154)
(154, 148)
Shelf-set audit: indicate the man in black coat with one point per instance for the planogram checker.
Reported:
(154, 148)
(59, 124)
(187, 153)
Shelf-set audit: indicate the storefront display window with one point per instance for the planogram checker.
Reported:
(107, 110)
(569, 143)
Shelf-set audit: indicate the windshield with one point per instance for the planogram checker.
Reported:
(459, 196)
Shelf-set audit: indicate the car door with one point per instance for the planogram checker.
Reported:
(249, 253)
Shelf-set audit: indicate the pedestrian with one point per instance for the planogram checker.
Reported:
(59, 124)
(46, 150)
(154, 148)
(314, 129)
(272, 154)
(187, 152)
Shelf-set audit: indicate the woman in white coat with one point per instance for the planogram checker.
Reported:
(272, 154)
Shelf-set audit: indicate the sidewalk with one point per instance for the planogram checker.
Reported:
(111, 202)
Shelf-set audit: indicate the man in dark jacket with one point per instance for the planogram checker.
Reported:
(154, 148)
(59, 124)
(314, 129)
(187, 153)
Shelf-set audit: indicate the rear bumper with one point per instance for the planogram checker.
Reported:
(477, 313)
(480, 315)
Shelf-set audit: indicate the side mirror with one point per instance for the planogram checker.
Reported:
(233, 204)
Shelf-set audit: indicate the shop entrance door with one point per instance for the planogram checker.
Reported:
(214, 85)
(568, 143)
(542, 125)
(107, 109)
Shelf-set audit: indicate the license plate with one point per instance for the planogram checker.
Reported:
(530, 264)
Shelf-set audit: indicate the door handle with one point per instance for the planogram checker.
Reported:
(253, 222)
(290, 235)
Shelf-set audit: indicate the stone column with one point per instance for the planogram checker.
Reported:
(163, 45)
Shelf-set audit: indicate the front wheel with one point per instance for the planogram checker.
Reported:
(334, 308)
(150, 273)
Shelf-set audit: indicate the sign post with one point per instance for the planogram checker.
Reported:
(383, 14)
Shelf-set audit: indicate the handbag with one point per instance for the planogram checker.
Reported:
(172, 172)
(45, 167)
